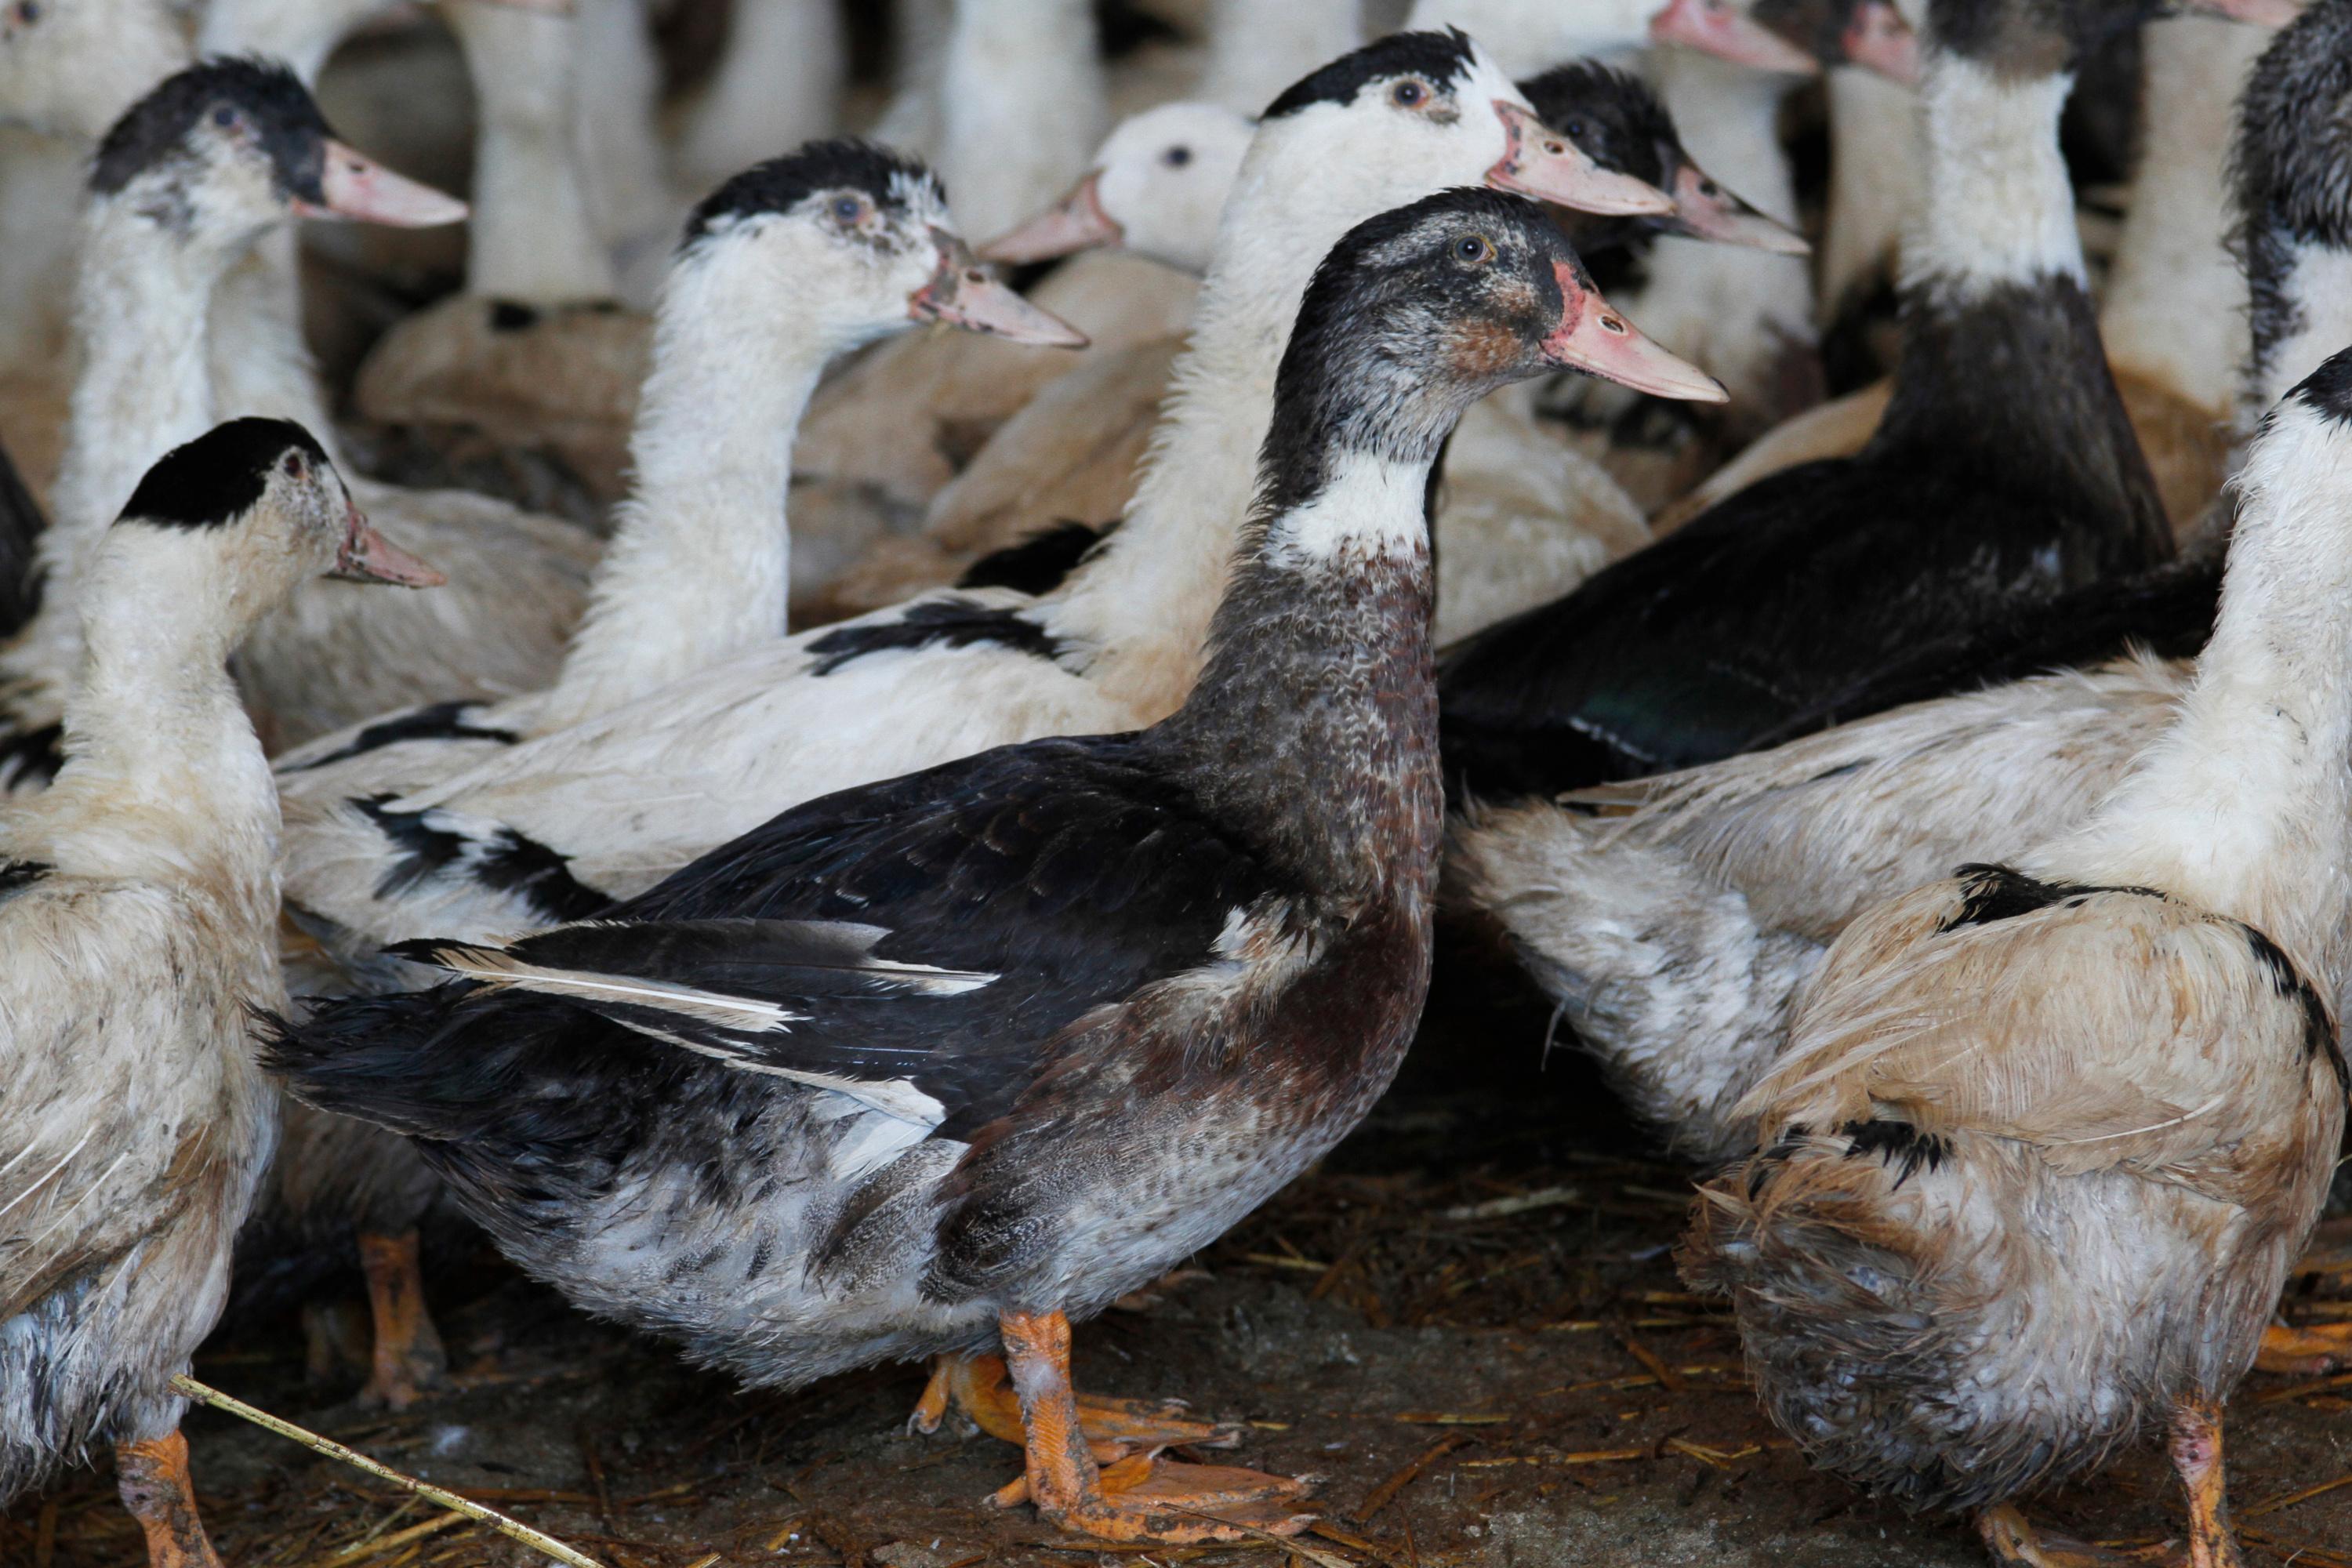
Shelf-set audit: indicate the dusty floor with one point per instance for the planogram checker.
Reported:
(1467, 1322)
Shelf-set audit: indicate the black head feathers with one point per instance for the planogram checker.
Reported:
(1612, 115)
(1443, 59)
(261, 98)
(218, 476)
(2327, 390)
(840, 164)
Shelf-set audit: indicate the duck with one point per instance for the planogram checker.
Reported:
(2173, 354)
(1995, 478)
(606, 808)
(1255, 51)
(2128, 1034)
(1673, 919)
(1212, 956)
(138, 907)
(182, 185)
(794, 262)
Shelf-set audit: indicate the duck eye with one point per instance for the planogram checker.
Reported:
(293, 466)
(1474, 248)
(224, 116)
(1177, 157)
(1575, 129)
(29, 11)
(848, 208)
(1409, 94)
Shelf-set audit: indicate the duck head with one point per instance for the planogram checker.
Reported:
(250, 510)
(1420, 312)
(1616, 120)
(69, 67)
(1421, 111)
(228, 147)
(862, 238)
(1869, 33)
(1155, 187)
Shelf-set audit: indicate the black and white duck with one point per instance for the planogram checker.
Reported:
(943, 1062)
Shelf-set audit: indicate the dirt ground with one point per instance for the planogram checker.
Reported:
(1467, 1322)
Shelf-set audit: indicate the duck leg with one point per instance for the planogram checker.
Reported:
(2304, 1352)
(2196, 1448)
(2013, 1543)
(408, 1357)
(153, 1478)
(1165, 1502)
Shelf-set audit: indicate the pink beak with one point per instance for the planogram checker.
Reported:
(1538, 161)
(1705, 210)
(1075, 223)
(2260, 13)
(1877, 37)
(1716, 27)
(357, 187)
(1592, 337)
(367, 556)
(961, 295)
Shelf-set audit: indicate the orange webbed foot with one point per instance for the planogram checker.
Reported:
(982, 1387)
(2304, 1352)
(408, 1359)
(1140, 1498)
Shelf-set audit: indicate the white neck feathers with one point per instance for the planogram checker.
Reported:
(2245, 805)
(1371, 506)
(1998, 207)
(701, 566)
(1021, 104)
(2319, 282)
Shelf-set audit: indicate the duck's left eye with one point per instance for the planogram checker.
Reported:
(1575, 130)
(1409, 94)
(1177, 157)
(224, 116)
(848, 209)
(1474, 248)
(293, 467)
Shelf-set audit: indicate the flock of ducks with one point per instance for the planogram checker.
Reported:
(1936, 821)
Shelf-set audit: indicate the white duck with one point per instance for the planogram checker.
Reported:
(138, 907)
(2047, 1136)
(1676, 931)
(778, 83)
(608, 806)
(182, 186)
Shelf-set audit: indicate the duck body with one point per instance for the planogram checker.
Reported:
(1692, 648)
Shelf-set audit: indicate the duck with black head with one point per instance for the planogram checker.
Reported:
(137, 937)
(2005, 470)
(938, 1064)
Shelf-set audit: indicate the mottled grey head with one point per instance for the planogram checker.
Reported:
(2291, 164)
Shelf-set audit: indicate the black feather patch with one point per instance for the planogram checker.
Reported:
(440, 722)
(1997, 893)
(216, 478)
(947, 622)
(273, 105)
(509, 862)
(2318, 1027)
(27, 756)
(21, 526)
(1442, 59)
(1612, 116)
(1038, 564)
(2327, 390)
(1895, 1142)
(781, 184)
(16, 876)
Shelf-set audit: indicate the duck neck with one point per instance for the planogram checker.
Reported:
(302, 32)
(261, 363)
(1021, 104)
(143, 386)
(1256, 50)
(1314, 722)
(2002, 361)
(532, 238)
(155, 735)
(2174, 309)
(700, 567)
(2243, 807)
(2300, 282)
(1144, 604)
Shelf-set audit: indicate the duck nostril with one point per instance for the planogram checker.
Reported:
(974, 275)
(1710, 188)
(1612, 324)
